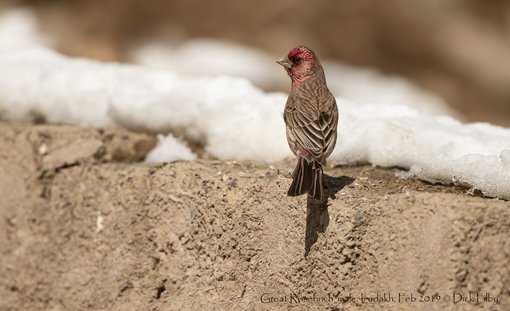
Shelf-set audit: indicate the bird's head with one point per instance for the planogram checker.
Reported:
(301, 63)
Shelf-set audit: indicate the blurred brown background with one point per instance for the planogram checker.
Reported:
(459, 49)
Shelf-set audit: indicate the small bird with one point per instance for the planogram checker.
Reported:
(311, 118)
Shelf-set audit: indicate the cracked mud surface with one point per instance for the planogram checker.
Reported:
(85, 226)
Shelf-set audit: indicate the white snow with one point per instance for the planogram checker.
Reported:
(235, 120)
(170, 149)
(363, 85)
(434, 148)
(18, 30)
(209, 57)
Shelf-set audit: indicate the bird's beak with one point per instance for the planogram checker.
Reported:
(285, 62)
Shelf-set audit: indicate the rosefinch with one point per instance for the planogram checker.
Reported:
(311, 118)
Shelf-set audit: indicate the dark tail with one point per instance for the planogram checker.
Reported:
(307, 179)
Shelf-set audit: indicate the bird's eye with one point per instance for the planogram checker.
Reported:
(297, 59)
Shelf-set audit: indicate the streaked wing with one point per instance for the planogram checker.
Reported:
(316, 132)
(330, 122)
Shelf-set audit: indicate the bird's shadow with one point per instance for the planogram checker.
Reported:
(317, 216)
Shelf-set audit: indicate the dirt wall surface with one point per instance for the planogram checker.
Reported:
(84, 225)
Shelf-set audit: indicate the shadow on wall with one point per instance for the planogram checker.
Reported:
(317, 218)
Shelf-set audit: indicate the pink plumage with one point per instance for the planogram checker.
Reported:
(311, 118)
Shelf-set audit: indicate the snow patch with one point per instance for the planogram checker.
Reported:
(18, 30)
(208, 57)
(170, 149)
